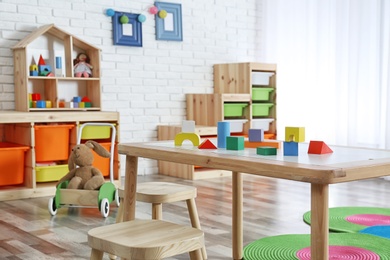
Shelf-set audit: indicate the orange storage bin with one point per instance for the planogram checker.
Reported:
(12, 163)
(52, 142)
(103, 164)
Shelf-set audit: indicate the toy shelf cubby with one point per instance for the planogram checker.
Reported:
(50, 42)
(19, 128)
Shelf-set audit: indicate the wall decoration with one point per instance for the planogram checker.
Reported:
(169, 22)
(127, 29)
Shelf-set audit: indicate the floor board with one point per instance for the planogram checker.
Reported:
(271, 207)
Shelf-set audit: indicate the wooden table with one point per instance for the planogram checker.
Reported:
(343, 165)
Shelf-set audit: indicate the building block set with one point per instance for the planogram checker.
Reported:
(293, 136)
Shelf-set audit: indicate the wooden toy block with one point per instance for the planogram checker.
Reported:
(318, 147)
(235, 143)
(223, 131)
(290, 148)
(188, 126)
(256, 135)
(271, 143)
(181, 137)
(266, 150)
(207, 144)
(295, 134)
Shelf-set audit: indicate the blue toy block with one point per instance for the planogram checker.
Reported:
(41, 104)
(256, 135)
(290, 148)
(266, 150)
(77, 99)
(44, 70)
(223, 131)
(235, 143)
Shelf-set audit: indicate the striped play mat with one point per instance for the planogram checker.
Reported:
(341, 246)
(354, 219)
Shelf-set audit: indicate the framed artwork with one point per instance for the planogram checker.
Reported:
(169, 28)
(129, 34)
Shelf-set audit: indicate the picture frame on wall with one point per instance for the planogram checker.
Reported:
(127, 34)
(169, 28)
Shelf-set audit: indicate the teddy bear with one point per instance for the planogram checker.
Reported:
(82, 175)
(82, 68)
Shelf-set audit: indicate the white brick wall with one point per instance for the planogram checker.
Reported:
(146, 85)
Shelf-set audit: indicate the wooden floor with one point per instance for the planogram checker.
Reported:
(272, 207)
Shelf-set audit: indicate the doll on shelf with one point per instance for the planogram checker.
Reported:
(82, 68)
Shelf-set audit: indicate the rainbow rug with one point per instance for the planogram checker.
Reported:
(341, 246)
(354, 219)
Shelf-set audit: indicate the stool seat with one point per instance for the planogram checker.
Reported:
(162, 192)
(145, 239)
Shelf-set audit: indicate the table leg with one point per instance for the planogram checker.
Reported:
(237, 216)
(130, 188)
(319, 221)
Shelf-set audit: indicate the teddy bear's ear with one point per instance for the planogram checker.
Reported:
(100, 150)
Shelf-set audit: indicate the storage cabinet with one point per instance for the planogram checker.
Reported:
(56, 92)
(258, 80)
(244, 94)
(20, 128)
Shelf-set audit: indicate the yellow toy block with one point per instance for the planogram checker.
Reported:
(181, 137)
(295, 134)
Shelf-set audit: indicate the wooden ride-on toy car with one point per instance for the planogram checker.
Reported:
(101, 198)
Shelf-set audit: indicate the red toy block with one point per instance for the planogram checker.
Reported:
(207, 144)
(318, 147)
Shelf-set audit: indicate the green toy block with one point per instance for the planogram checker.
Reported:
(235, 143)
(294, 134)
(266, 150)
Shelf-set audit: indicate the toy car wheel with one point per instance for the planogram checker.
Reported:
(104, 207)
(52, 206)
(117, 199)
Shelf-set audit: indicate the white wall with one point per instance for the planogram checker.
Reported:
(146, 85)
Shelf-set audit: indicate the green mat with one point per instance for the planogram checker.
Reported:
(341, 246)
(338, 218)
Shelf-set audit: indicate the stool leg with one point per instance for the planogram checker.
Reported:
(196, 255)
(157, 211)
(96, 254)
(194, 217)
(119, 219)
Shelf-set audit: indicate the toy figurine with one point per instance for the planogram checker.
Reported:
(82, 68)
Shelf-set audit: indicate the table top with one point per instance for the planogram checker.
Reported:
(344, 164)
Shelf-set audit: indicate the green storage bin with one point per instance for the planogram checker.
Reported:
(261, 109)
(50, 173)
(261, 94)
(234, 109)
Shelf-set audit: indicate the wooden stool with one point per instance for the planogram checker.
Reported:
(165, 192)
(146, 240)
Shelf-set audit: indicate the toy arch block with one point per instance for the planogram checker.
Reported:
(181, 137)
(295, 134)
(318, 147)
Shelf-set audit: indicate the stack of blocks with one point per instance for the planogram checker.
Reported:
(293, 136)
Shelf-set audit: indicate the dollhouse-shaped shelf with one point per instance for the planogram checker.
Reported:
(58, 49)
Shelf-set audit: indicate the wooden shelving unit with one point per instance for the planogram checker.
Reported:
(54, 89)
(18, 128)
